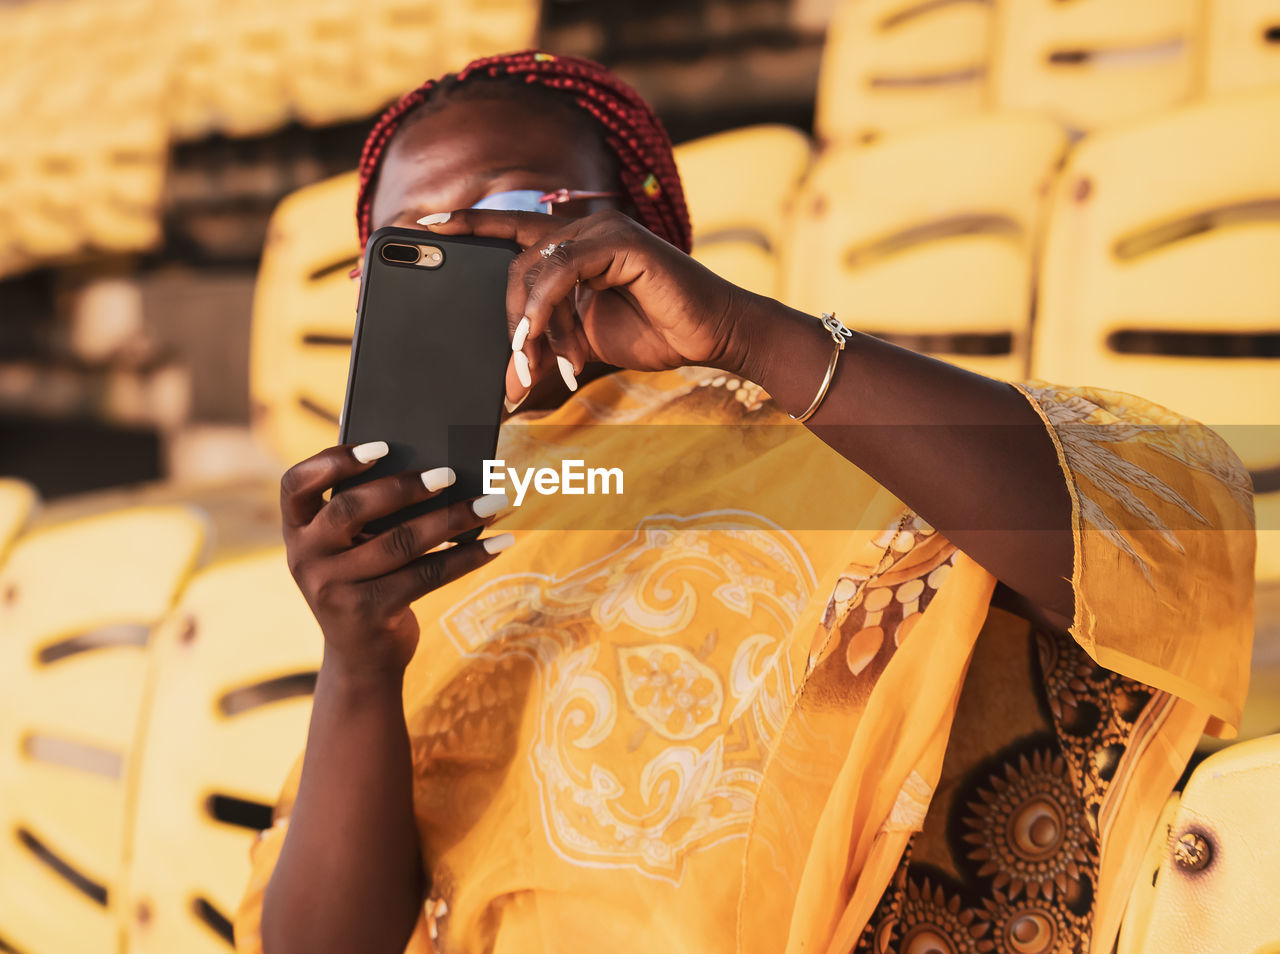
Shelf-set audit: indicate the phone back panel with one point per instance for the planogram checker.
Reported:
(429, 360)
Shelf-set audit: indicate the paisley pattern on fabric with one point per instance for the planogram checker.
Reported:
(697, 721)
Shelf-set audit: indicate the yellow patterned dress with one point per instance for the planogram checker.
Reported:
(778, 713)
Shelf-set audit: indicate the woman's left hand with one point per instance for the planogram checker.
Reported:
(609, 291)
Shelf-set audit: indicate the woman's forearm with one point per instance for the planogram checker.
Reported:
(350, 874)
(966, 452)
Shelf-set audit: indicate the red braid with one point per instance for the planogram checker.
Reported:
(632, 133)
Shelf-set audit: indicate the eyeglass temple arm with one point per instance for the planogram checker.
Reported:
(568, 195)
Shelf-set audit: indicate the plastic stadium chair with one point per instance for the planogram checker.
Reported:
(323, 67)
(303, 317)
(77, 602)
(474, 28)
(890, 65)
(120, 129)
(1243, 45)
(403, 42)
(1094, 63)
(233, 669)
(191, 29)
(739, 186)
(927, 239)
(251, 94)
(1159, 278)
(1219, 870)
(17, 500)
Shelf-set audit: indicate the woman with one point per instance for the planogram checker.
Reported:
(705, 728)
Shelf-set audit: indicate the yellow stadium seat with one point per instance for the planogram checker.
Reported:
(1159, 278)
(77, 602)
(890, 65)
(233, 669)
(251, 95)
(191, 28)
(927, 239)
(739, 186)
(1219, 869)
(122, 130)
(17, 499)
(1094, 63)
(1243, 45)
(324, 70)
(475, 28)
(303, 317)
(403, 43)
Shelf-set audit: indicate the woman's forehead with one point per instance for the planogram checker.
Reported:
(450, 157)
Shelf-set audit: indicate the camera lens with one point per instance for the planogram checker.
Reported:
(400, 253)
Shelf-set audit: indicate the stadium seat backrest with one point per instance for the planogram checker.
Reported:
(1242, 46)
(1160, 278)
(303, 317)
(475, 28)
(1093, 63)
(77, 602)
(928, 238)
(1219, 872)
(17, 500)
(324, 69)
(251, 93)
(890, 65)
(739, 186)
(402, 43)
(233, 669)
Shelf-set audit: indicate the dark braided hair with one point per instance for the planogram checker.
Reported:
(632, 133)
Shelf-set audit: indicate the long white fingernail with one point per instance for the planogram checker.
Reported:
(512, 405)
(438, 478)
(522, 369)
(489, 504)
(435, 218)
(566, 372)
(370, 451)
(522, 332)
(499, 543)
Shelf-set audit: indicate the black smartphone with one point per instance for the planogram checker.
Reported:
(429, 359)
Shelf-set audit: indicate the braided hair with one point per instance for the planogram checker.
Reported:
(631, 132)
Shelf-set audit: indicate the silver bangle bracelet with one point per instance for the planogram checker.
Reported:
(840, 334)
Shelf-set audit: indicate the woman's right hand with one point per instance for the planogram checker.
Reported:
(359, 586)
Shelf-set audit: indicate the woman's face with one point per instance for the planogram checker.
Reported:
(472, 148)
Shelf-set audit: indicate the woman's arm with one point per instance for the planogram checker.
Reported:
(350, 875)
(966, 452)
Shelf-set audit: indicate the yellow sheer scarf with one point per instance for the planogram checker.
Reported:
(631, 732)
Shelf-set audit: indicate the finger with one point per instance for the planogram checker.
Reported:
(340, 522)
(522, 275)
(303, 485)
(527, 367)
(592, 262)
(565, 343)
(407, 541)
(529, 230)
(434, 570)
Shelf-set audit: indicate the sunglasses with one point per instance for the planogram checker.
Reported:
(535, 200)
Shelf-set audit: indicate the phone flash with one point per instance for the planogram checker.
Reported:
(426, 256)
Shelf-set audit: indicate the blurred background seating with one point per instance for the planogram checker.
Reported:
(1082, 192)
(928, 238)
(739, 186)
(77, 601)
(232, 672)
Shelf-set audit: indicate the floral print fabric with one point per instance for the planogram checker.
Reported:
(710, 731)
